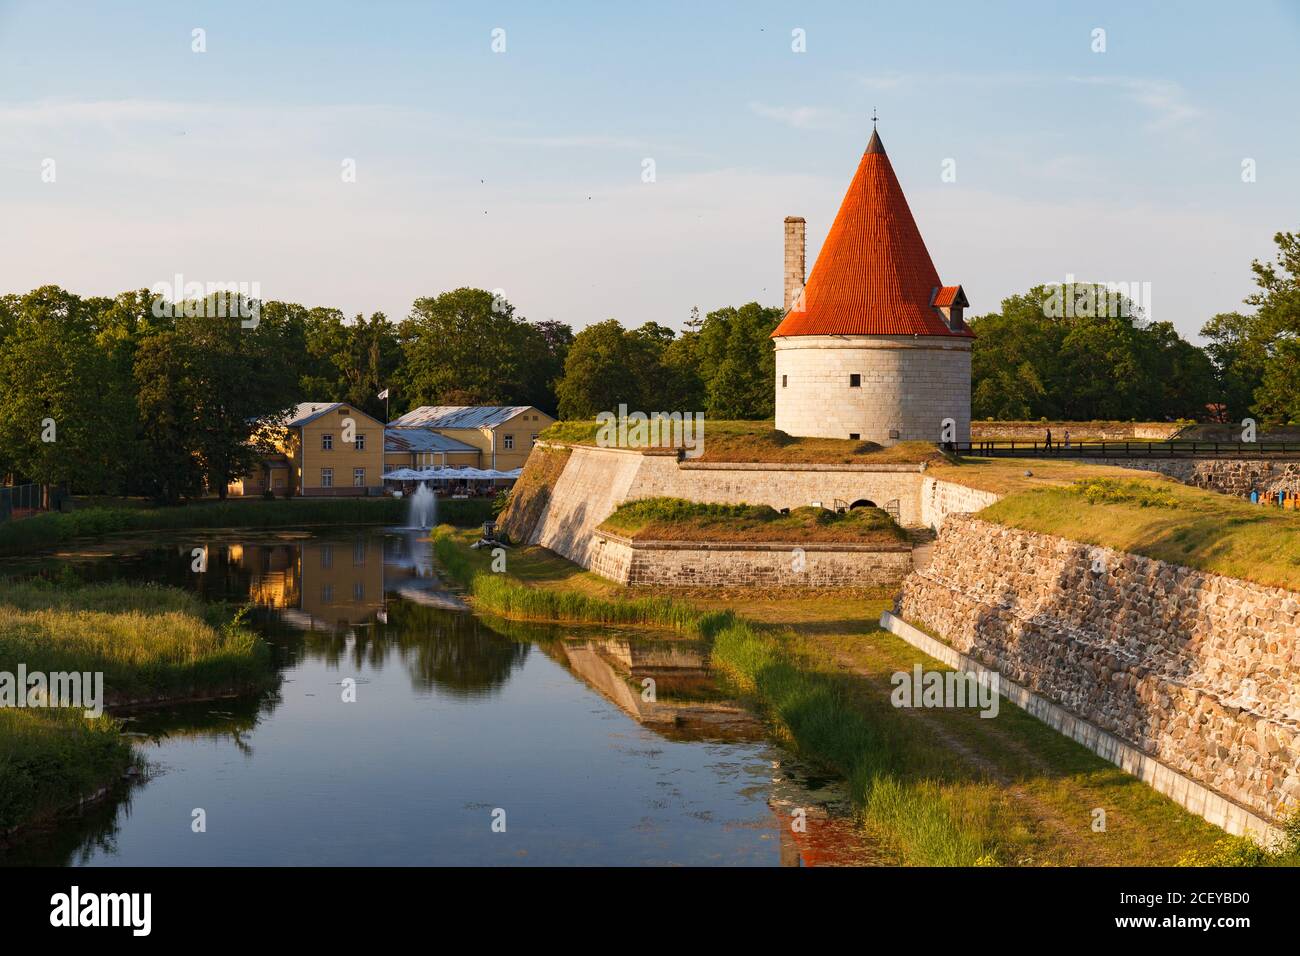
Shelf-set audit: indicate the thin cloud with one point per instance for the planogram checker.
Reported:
(1164, 99)
(798, 117)
(890, 80)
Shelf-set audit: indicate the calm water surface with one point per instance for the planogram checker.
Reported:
(456, 718)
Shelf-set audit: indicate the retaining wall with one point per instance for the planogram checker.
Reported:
(748, 564)
(1198, 671)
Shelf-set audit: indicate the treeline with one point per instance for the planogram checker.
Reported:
(119, 396)
(1101, 360)
(107, 396)
(722, 364)
(1031, 362)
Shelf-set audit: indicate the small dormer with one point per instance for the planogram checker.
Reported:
(950, 300)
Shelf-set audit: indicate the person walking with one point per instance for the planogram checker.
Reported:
(1047, 444)
(1067, 438)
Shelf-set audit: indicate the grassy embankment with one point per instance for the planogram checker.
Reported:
(935, 787)
(150, 643)
(53, 528)
(675, 519)
(739, 441)
(1160, 518)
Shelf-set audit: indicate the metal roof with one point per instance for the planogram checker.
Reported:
(422, 439)
(310, 411)
(460, 416)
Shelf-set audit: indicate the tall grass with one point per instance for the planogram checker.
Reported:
(811, 707)
(149, 642)
(53, 528)
(51, 759)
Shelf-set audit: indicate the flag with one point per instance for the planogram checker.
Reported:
(383, 394)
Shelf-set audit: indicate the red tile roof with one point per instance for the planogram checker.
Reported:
(947, 295)
(873, 275)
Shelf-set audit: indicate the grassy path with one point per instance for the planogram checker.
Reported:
(938, 786)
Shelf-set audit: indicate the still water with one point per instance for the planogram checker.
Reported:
(459, 723)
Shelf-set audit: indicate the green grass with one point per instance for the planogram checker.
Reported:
(149, 642)
(51, 759)
(1012, 792)
(681, 520)
(53, 528)
(745, 441)
(1162, 519)
(809, 708)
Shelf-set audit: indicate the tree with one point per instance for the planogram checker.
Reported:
(58, 422)
(208, 386)
(738, 363)
(1096, 359)
(1254, 355)
(469, 344)
(598, 374)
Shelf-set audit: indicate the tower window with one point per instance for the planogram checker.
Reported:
(784, 380)
(855, 381)
(855, 436)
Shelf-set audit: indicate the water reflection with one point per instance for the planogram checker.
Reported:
(454, 711)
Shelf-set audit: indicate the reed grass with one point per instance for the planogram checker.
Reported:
(808, 706)
(149, 642)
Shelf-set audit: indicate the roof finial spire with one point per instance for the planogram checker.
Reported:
(873, 119)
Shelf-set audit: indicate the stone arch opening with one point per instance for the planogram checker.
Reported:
(863, 503)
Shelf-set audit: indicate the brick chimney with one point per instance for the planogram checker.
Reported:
(795, 249)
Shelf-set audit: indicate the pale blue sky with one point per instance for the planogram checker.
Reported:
(522, 170)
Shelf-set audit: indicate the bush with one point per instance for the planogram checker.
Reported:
(1117, 491)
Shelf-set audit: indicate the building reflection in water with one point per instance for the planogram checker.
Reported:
(334, 584)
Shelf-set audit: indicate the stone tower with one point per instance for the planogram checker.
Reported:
(876, 348)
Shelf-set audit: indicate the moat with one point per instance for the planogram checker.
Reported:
(459, 722)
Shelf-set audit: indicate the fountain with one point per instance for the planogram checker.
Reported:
(423, 510)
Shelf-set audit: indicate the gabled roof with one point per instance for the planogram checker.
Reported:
(308, 412)
(873, 275)
(421, 439)
(460, 416)
(951, 295)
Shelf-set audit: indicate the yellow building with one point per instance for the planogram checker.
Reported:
(324, 449)
(502, 434)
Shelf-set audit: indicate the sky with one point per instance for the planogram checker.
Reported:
(508, 146)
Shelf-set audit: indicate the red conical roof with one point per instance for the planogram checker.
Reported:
(873, 275)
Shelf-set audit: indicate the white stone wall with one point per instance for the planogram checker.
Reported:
(780, 486)
(595, 481)
(909, 384)
(734, 564)
(942, 498)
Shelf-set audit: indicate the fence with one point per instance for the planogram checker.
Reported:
(19, 498)
(1127, 449)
